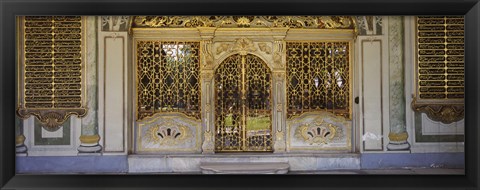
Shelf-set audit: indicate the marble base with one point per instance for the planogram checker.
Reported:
(191, 163)
(89, 150)
(21, 149)
(398, 145)
(244, 168)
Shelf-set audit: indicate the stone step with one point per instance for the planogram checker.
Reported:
(190, 163)
(244, 167)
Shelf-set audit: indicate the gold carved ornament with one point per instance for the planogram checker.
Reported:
(440, 68)
(168, 134)
(52, 87)
(318, 77)
(168, 74)
(314, 22)
(318, 132)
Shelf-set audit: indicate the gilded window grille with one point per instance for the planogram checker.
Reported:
(440, 67)
(243, 105)
(168, 78)
(318, 75)
(51, 68)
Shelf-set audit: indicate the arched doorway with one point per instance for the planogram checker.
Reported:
(243, 115)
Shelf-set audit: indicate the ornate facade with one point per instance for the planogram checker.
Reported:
(171, 93)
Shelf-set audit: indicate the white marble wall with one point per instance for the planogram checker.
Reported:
(113, 82)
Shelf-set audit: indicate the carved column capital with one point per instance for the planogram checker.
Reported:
(206, 75)
(279, 53)
(207, 53)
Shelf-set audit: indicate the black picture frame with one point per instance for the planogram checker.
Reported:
(9, 9)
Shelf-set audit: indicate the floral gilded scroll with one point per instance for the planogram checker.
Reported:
(316, 22)
(51, 69)
(440, 68)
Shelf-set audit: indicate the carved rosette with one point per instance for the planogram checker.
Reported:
(445, 113)
(51, 119)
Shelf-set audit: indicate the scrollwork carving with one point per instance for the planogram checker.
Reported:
(445, 113)
(51, 119)
(223, 47)
(244, 45)
(323, 22)
(264, 47)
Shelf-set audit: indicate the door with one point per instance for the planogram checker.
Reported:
(243, 105)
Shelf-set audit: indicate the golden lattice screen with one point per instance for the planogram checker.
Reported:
(168, 77)
(243, 105)
(318, 75)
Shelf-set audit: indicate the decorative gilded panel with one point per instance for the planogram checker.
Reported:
(168, 77)
(315, 22)
(169, 132)
(52, 69)
(318, 77)
(440, 67)
(319, 131)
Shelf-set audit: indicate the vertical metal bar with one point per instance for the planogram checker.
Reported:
(244, 120)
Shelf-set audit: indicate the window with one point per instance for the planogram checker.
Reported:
(168, 78)
(318, 75)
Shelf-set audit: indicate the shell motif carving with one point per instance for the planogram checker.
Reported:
(168, 134)
(318, 132)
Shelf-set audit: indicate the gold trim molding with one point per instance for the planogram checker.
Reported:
(398, 136)
(90, 139)
(445, 113)
(312, 22)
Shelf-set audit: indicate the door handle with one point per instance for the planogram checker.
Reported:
(357, 99)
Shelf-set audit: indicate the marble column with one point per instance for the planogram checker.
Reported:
(206, 74)
(279, 86)
(89, 139)
(398, 132)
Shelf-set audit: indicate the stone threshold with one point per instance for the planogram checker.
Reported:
(244, 168)
(187, 163)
